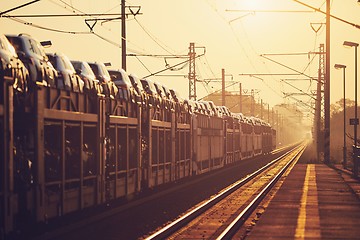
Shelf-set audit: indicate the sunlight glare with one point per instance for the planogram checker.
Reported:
(252, 4)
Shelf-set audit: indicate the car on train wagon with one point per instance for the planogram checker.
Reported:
(190, 106)
(123, 83)
(179, 100)
(224, 111)
(102, 74)
(168, 93)
(213, 108)
(169, 97)
(67, 79)
(32, 54)
(167, 102)
(91, 84)
(12, 66)
(149, 87)
(207, 108)
(136, 83)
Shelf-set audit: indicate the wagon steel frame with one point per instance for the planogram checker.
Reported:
(6, 155)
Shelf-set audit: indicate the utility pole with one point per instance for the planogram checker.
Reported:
(317, 117)
(123, 35)
(192, 74)
(327, 88)
(252, 102)
(319, 138)
(134, 10)
(261, 109)
(223, 86)
(240, 98)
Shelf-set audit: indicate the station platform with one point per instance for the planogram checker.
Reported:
(316, 201)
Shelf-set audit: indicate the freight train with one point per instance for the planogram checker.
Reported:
(66, 149)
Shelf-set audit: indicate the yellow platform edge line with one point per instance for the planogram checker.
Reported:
(309, 186)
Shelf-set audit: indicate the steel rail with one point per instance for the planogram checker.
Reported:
(234, 226)
(188, 217)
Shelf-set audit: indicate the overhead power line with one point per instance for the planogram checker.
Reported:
(268, 11)
(62, 15)
(300, 90)
(15, 8)
(323, 12)
(283, 65)
(158, 55)
(47, 28)
(171, 67)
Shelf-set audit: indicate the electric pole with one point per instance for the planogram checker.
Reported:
(327, 88)
(252, 108)
(223, 87)
(192, 74)
(240, 98)
(123, 36)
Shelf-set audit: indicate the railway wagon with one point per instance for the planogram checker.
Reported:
(183, 142)
(74, 150)
(257, 136)
(159, 136)
(267, 137)
(247, 135)
(60, 145)
(122, 144)
(166, 130)
(232, 139)
(208, 139)
(273, 136)
(6, 154)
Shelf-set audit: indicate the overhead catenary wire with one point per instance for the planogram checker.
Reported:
(98, 34)
(18, 7)
(153, 38)
(270, 11)
(332, 16)
(169, 67)
(216, 91)
(309, 62)
(83, 14)
(47, 28)
(63, 15)
(69, 32)
(283, 65)
(250, 60)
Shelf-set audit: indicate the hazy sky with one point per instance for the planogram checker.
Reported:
(233, 40)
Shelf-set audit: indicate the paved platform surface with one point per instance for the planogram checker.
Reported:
(315, 202)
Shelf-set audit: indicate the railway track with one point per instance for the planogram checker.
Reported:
(222, 215)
